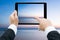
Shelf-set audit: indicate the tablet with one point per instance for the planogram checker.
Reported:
(28, 10)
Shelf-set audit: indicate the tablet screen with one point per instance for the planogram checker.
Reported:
(27, 12)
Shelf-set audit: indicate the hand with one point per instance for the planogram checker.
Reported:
(43, 23)
(14, 18)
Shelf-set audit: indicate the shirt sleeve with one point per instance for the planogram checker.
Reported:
(49, 29)
(13, 27)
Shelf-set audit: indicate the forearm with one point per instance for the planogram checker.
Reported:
(52, 33)
(13, 27)
(10, 33)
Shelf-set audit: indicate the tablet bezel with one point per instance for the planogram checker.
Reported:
(45, 10)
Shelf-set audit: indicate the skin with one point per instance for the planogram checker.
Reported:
(43, 23)
(14, 18)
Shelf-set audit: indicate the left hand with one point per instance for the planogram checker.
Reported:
(14, 18)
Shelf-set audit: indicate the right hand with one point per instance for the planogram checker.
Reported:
(14, 18)
(43, 23)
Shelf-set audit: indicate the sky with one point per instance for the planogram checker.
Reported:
(53, 13)
(8, 6)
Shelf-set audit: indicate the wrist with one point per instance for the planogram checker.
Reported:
(14, 24)
(13, 27)
(49, 29)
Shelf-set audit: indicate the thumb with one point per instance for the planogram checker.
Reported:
(16, 14)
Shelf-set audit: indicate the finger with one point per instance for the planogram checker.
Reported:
(16, 14)
(38, 19)
(12, 15)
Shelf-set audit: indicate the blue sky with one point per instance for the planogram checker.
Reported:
(8, 6)
(53, 11)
